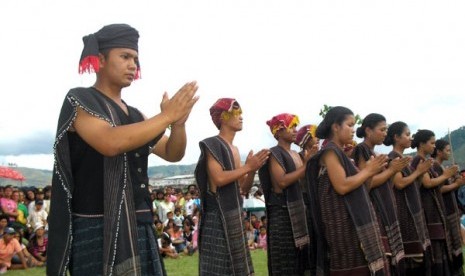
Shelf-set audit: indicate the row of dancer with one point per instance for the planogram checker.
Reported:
(101, 223)
(366, 213)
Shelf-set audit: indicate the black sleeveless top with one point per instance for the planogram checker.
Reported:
(87, 170)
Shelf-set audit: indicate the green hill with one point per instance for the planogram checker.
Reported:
(41, 178)
(457, 138)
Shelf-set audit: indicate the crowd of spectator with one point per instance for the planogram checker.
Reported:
(23, 227)
(23, 224)
(177, 216)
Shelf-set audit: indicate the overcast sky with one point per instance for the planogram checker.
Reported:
(403, 59)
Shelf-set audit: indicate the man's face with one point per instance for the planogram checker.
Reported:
(288, 134)
(233, 119)
(3, 223)
(119, 66)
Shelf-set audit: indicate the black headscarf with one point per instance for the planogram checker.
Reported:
(108, 37)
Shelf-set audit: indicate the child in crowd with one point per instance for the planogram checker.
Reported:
(264, 221)
(37, 216)
(159, 228)
(169, 216)
(188, 236)
(254, 221)
(180, 200)
(261, 240)
(166, 249)
(189, 205)
(176, 237)
(30, 260)
(250, 234)
(178, 217)
(38, 244)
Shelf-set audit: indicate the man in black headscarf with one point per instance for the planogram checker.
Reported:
(101, 220)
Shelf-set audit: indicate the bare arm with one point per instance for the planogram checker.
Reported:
(111, 141)
(396, 165)
(400, 182)
(8, 213)
(454, 186)
(283, 179)
(256, 161)
(429, 182)
(344, 184)
(172, 148)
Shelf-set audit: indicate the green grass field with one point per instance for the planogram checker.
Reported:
(184, 266)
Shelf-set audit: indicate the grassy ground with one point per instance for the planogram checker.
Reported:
(184, 266)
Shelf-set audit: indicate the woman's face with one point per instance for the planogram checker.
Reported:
(429, 146)
(345, 131)
(377, 134)
(445, 153)
(40, 232)
(405, 139)
(15, 196)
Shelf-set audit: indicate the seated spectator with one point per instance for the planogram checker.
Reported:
(255, 222)
(38, 244)
(39, 195)
(30, 260)
(176, 237)
(8, 206)
(169, 223)
(180, 201)
(156, 202)
(38, 216)
(21, 219)
(188, 236)
(189, 205)
(195, 220)
(159, 228)
(3, 223)
(23, 212)
(47, 194)
(169, 218)
(166, 249)
(9, 246)
(264, 221)
(178, 217)
(164, 207)
(261, 241)
(250, 234)
(30, 197)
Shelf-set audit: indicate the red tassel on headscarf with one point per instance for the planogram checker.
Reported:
(138, 75)
(89, 64)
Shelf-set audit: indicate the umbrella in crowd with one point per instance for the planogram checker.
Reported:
(9, 173)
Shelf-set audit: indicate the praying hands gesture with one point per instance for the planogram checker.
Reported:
(178, 107)
(397, 164)
(376, 164)
(424, 166)
(256, 161)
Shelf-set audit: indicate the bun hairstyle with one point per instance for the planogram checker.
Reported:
(394, 129)
(371, 120)
(422, 136)
(336, 115)
(440, 145)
